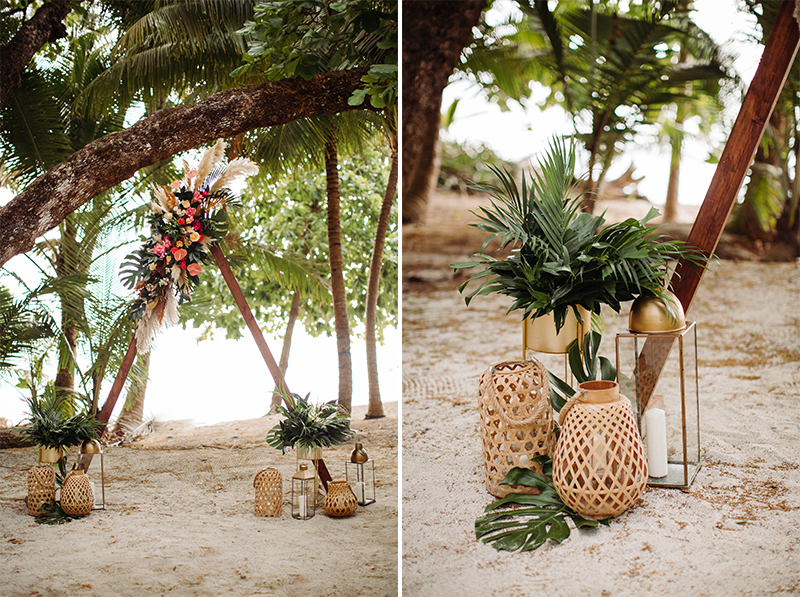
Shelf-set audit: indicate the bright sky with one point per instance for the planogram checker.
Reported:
(520, 134)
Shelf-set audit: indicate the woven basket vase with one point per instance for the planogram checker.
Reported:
(77, 498)
(41, 488)
(269, 492)
(516, 421)
(599, 465)
(340, 500)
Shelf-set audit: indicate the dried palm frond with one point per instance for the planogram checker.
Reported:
(238, 168)
(210, 159)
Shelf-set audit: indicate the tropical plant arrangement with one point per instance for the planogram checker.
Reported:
(57, 420)
(307, 425)
(523, 522)
(563, 258)
(187, 219)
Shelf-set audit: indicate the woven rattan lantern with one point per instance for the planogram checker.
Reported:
(340, 501)
(304, 495)
(41, 488)
(91, 448)
(658, 370)
(360, 474)
(516, 421)
(269, 492)
(77, 498)
(599, 466)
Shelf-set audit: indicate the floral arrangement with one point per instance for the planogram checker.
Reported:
(188, 218)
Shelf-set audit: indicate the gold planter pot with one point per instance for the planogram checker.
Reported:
(50, 455)
(539, 335)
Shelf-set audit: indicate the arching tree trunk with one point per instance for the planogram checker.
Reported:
(338, 289)
(434, 34)
(375, 406)
(133, 411)
(283, 363)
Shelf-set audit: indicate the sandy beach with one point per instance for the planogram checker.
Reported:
(180, 521)
(735, 532)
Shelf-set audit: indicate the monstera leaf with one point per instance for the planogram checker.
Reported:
(523, 522)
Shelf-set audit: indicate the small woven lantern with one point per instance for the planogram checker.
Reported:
(599, 465)
(77, 498)
(303, 493)
(269, 492)
(360, 474)
(340, 500)
(516, 421)
(41, 488)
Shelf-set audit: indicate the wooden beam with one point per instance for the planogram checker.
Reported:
(776, 61)
(250, 320)
(119, 381)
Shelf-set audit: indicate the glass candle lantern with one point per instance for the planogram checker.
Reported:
(360, 474)
(303, 494)
(89, 449)
(658, 372)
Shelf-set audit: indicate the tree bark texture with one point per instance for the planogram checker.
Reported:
(434, 33)
(283, 362)
(46, 25)
(338, 290)
(375, 406)
(110, 160)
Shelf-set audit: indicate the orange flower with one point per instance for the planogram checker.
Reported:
(194, 237)
(179, 254)
(194, 269)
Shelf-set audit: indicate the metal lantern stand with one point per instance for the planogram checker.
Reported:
(360, 475)
(90, 448)
(665, 400)
(304, 501)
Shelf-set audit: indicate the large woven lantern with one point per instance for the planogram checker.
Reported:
(516, 421)
(269, 492)
(599, 465)
(41, 488)
(77, 498)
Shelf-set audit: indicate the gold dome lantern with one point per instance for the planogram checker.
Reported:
(655, 314)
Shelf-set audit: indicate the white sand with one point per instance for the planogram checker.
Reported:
(736, 532)
(180, 521)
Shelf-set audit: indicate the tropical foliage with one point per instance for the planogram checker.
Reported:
(523, 522)
(307, 425)
(58, 420)
(563, 257)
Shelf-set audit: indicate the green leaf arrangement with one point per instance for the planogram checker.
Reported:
(523, 522)
(53, 514)
(55, 421)
(563, 257)
(307, 425)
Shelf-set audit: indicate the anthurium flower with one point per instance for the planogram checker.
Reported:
(194, 269)
(175, 184)
(179, 254)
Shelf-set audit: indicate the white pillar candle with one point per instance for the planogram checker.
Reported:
(360, 492)
(301, 502)
(656, 442)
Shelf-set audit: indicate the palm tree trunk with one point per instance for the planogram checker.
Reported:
(133, 411)
(338, 289)
(671, 201)
(283, 363)
(66, 265)
(375, 406)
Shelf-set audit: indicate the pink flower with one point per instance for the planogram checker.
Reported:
(194, 269)
(159, 250)
(176, 184)
(178, 254)
(197, 226)
(198, 196)
(191, 174)
(167, 242)
(191, 211)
